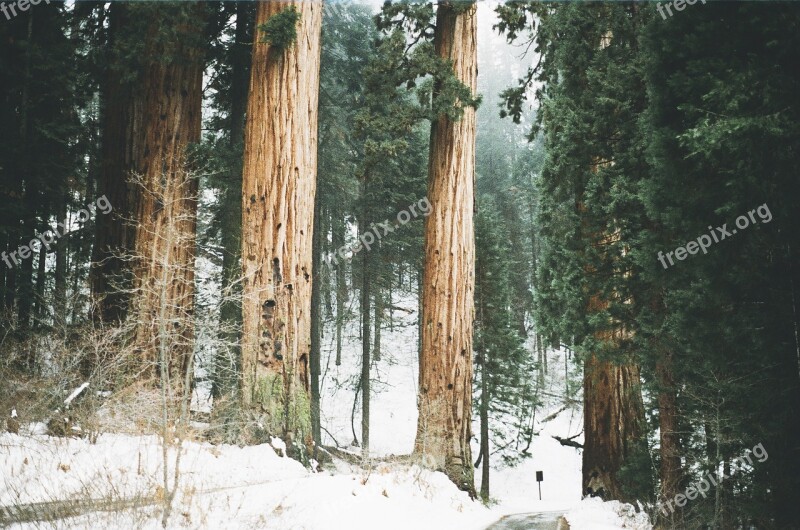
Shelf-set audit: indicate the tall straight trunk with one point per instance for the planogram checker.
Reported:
(366, 287)
(115, 233)
(278, 189)
(25, 278)
(226, 366)
(376, 343)
(445, 371)
(316, 327)
(25, 285)
(167, 122)
(341, 287)
(537, 345)
(11, 277)
(671, 471)
(60, 273)
(367, 260)
(484, 412)
(484, 403)
(419, 276)
(40, 307)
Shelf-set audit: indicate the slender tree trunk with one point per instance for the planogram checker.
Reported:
(25, 289)
(226, 366)
(726, 497)
(390, 299)
(445, 387)
(115, 233)
(671, 472)
(316, 327)
(419, 276)
(483, 363)
(366, 287)
(278, 189)
(60, 290)
(11, 277)
(341, 287)
(537, 344)
(40, 307)
(367, 260)
(484, 411)
(376, 345)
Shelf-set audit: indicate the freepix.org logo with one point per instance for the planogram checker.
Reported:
(715, 235)
(10, 9)
(715, 478)
(48, 237)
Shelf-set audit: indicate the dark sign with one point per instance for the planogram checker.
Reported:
(539, 476)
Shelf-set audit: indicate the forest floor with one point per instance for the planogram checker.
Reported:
(117, 482)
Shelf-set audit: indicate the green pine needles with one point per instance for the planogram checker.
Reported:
(280, 31)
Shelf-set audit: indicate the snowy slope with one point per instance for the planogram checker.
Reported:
(252, 487)
(226, 487)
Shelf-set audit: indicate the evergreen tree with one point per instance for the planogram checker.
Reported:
(505, 394)
(588, 216)
(722, 145)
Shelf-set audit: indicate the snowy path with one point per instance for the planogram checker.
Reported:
(529, 521)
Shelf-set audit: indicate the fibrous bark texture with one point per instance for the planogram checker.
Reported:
(165, 125)
(445, 390)
(279, 184)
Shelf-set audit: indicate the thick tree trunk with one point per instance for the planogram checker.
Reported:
(279, 184)
(613, 412)
(166, 123)
(612, 424)
(445, 386)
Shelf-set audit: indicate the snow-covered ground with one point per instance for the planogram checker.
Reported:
(227, 487)
(253, 487)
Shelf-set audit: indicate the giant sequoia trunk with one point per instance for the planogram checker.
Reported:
(445, 371)
(167, 122)
(279, 184)
(613, 417)
(612, 424)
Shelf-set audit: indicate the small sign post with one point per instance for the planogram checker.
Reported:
(539, 479)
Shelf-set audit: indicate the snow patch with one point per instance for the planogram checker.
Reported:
(594, 514)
